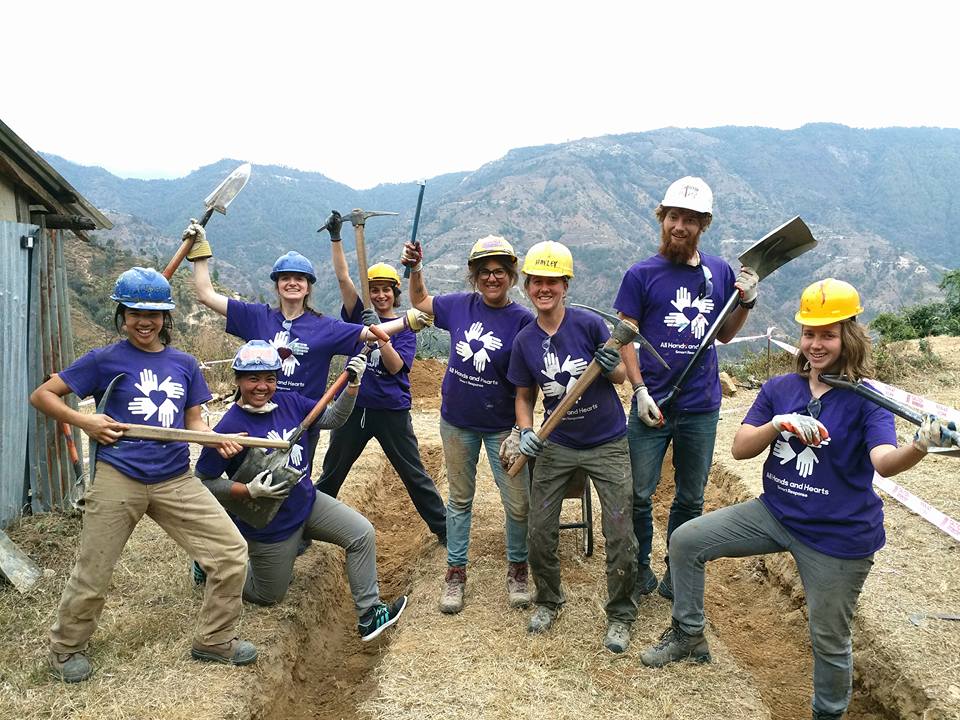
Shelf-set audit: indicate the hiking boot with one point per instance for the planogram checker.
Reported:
(617, 639)
(646, 583)
(818, 715)
(665, 588)
(518, 590)
(674, 645)
(442, 538)
(541, 620)
(199, 576)
(379, 618)
(451, 600)
(234, 652)
(70, 667)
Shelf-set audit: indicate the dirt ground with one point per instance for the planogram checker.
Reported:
(481, 663)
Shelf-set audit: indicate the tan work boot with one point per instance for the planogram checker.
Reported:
(518, 589)
(451, 600)
(234, 652)
(70, 667)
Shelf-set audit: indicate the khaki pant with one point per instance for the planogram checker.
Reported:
(190, 515)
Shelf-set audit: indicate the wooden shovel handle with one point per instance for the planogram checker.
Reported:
(151, 432)
(362, 265)
(184, 249)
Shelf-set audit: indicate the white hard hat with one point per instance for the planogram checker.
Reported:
(691, 193)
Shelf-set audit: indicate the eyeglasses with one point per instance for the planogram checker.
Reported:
(814, 407)
(498, 273)
(706, 287)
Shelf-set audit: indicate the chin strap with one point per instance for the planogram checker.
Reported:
(262, 410)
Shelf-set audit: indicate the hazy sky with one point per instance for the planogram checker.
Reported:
(371, 92)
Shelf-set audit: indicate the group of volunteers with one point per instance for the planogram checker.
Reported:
(823, 443)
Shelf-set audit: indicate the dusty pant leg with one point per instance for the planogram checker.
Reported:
(332, 521)
(694, 435)
(270, 569)
(192, 516)
(554, 469)
(648, 446)
(609, 467)
(832, 586)
(515, 496)
(113, 507)
(461, 451)
(346, 444)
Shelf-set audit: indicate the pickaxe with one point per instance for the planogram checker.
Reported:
(614, 320)
(359, 219)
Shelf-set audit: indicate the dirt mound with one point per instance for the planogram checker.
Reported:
(425, 380)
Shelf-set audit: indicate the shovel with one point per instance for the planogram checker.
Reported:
(218, 200)
(17, 566)
(776, 249)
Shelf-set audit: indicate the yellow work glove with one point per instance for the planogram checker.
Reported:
(200, 248)
(417, 320)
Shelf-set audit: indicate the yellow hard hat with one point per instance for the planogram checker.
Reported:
(548, 259)
(490, 246)
(382, 271)
(828, 301)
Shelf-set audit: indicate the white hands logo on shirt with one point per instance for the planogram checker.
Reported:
(806, 458)
(146, 405)
(552, 368)
(288, 350)
(296, 452)
(374, 359)
(488, 341)
(678, 318)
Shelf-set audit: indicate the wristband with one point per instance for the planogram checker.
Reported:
(748, 305)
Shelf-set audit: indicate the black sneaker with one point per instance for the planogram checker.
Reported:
(379, 618)
(665, 588)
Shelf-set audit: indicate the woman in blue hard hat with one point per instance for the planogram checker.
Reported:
(162, 386)
(260, 411)
(383, 406)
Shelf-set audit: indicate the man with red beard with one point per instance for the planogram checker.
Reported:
(674, 297)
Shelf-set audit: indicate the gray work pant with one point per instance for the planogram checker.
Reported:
(832, 586)
(271, 564)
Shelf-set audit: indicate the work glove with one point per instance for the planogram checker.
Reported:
(530, 444)
(417, 320)
(806, 429)
(647, 409)
(412, 257)
(200, 248)
(510, 448)
(355, 366)
(333, 225)
(747, 285)
(262, 487)
(932, 434)
(369, 317)
(607, 358)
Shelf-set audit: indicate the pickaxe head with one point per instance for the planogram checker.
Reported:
(359, 217)
(641, 340)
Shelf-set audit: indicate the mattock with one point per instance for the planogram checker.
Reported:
(359, 219)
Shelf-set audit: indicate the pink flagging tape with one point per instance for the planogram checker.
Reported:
(921, 507)
(917, 402)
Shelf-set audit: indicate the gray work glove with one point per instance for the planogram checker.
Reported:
(746, 284)
(607, 358)
(355, 366)
(647, 409)
(369, 317)
(332, 225)
(806, 429)
(530, 444)
(510, 448)
(931, 434)
(262, 487)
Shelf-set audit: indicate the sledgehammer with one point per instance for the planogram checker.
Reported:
(623, 332)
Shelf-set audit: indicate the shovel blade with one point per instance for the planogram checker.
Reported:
(259, 512)
(17, 566)
(778, 247)
(226, 191)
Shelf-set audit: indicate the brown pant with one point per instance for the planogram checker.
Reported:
(190, 515)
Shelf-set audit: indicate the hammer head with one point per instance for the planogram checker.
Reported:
(359, 217)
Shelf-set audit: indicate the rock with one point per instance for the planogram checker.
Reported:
(727, 386)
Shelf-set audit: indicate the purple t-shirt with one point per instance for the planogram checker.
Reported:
(292, 408)
(476, 394)
(554, 363)
(674, 312)
(156, 389)
(380, 390)
(305, 348)
(824, 495)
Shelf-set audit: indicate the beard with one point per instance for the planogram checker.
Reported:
(679, 251)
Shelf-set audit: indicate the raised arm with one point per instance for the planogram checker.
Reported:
(200, 254)
(412, 257)
(348, 291)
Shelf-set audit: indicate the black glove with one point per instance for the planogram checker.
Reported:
(333, 225)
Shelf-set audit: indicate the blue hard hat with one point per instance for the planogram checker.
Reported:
(143, 289)
(293, 262)
(256, 356)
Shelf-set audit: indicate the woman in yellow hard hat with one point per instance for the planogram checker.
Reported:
(383, 407)
(478, 404)
(823, 446)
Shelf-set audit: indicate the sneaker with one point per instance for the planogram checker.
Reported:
(234, 652)
(70, 667)
(379, 618)
(541, 620)
(617, 639)
(674, 645)
(817, 715)
(518, 590)
(442, 538)
(451, 600)
(665, 588)
(646, 583)
(199, 576)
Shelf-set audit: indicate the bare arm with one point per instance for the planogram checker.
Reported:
(523, 405)
(204, 288)
(348, 291)
(751, 440)
(732, 325)
(48, 399)
(889, 460)
(193, 420)
(419, 297)
(631, 364)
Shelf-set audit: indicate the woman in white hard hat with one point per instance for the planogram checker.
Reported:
(383, 406)
(550, 355)
(823, 445)
(478, 404)
(144, 380)
(260, 411)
